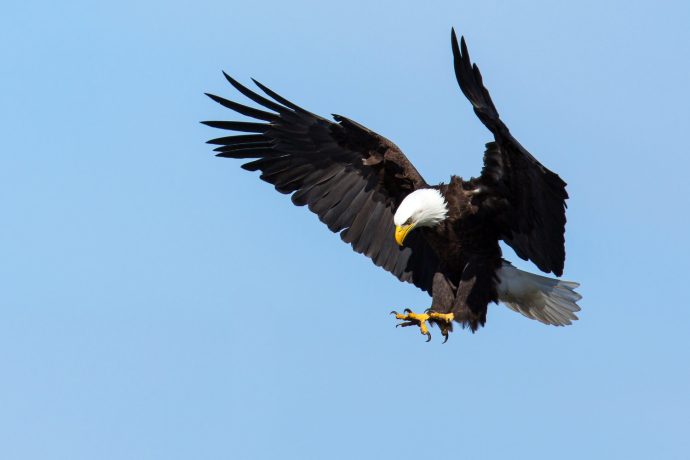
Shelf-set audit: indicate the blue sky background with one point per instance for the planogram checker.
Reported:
(158, 302)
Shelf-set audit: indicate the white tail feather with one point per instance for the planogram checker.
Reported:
(548, 300)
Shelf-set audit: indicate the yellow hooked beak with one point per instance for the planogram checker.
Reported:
(401, 232)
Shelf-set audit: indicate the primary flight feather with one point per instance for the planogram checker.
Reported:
(442, 238)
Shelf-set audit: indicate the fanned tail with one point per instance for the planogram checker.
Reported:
(548, 300)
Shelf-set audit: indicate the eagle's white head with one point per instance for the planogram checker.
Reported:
(422, 208)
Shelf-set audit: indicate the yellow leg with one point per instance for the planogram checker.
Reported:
(444, 317)
(411, 318)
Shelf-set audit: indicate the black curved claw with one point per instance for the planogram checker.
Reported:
(445, 337)
(407, 310)
(394, 312)
(428, 337)
(427, 310)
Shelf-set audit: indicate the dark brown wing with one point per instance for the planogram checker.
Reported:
(351, 177)
(534, 224)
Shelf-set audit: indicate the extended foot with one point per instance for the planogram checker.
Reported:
(411, 318)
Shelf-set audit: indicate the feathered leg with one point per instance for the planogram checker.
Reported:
(477, 288)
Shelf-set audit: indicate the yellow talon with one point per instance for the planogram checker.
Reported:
(421, 318)
(411, 318)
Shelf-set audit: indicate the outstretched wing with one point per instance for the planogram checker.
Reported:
(534, 224)
(351, 177)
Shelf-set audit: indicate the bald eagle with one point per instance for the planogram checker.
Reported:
(442, 238)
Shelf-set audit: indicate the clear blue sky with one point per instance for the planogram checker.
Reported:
(160, 303)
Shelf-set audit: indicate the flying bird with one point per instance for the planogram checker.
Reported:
(442, 238)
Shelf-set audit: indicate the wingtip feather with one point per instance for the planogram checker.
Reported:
(230, 80)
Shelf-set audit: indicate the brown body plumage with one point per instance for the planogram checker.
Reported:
(466, 243)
